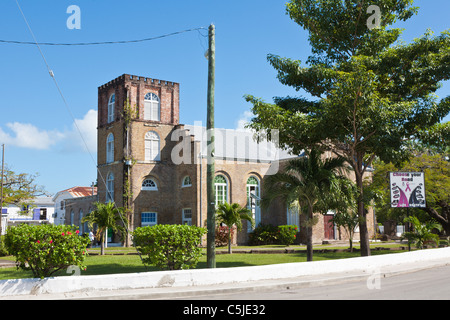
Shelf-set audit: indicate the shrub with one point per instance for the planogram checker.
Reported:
(46, 249)
(221, 238)
(263, 234)
(169, 247)
(269, 234)
(286, 235)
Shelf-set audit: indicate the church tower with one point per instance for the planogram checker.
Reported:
(136, 118)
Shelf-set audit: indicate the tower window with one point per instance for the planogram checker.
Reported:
(187, 182)
(111, 103)
(110, 148)
(152, 146)
(149, 184)
(151, 107)
(110, 188)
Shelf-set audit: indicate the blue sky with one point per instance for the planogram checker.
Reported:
(38, 129)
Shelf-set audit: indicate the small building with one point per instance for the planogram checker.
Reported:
(61, 197)
(39, 210)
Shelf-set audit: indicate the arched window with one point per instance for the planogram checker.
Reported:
(151, 107)
(220, 189)
(149, 184)
(111, 103)
(110, 148)
(110, 188)
(152, 146)
(81, 227)
(253, 200)
(187, 182)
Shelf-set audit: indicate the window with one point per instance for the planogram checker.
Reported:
(149, 184)
(151, 107)
(62, 204)
(253, 199)
(110, 188)
(187, 217)
(111, 103)
(220, 189)
(293, 217)
(152, 146)
(110, 148)
(186, 182)
(149, 219)
(81, 227)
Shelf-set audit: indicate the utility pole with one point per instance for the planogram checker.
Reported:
(1, 188)
(210, 171)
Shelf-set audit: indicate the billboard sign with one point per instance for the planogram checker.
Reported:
(407, 189)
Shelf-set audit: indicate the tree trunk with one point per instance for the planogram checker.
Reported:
(309, 246)
(102, 243)
(229, 240)
(363, 231)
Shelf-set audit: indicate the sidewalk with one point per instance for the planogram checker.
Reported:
(189, 283)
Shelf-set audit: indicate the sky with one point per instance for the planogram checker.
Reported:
(38, 128)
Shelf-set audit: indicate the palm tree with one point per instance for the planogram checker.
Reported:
(106, 216)
(233, 214)
(422, 232)
(311, 181)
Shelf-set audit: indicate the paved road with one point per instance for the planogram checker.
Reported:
(432, 284)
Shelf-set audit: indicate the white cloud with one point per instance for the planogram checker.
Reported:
(244, 118)
(83, 134)
(26, 135)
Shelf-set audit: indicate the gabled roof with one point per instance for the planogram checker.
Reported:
(77, 192)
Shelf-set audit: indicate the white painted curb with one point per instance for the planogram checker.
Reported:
(198, 277)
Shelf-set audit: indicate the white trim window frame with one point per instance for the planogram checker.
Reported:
(149, 219)
(110, 187)
(110, 148)
(220, 190)
(152, 107)
(152, 146)
(149, 185)
(186, 218)
(187, 182)
(111, 105)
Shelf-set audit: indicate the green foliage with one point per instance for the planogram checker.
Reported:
(106, 216)
(422, 233)
(46, 249)
(169, 247)
(266, 234)
(370, 93)
(437, 183)
(286, 234)
(263, 234)
(233, 214)
(313, 182)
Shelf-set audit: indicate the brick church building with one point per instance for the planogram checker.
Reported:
(155, 167)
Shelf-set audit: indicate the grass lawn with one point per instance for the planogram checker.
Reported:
(131, 263)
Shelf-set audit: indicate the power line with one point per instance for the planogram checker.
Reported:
(98, 43)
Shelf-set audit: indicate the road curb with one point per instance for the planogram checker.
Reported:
(177, 281)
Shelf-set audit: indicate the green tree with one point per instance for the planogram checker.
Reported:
(106, 216)
(368, 93)
(311, 181)
(422, 232)
(348, 220)
(233, 214)
(436, 170)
